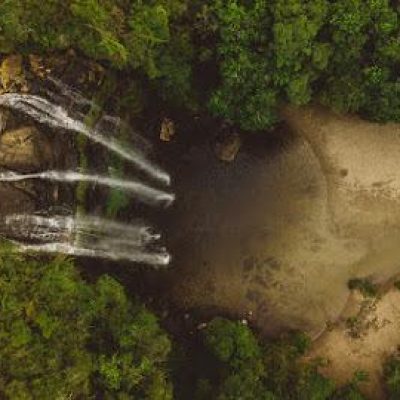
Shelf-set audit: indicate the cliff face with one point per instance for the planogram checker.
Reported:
(23, 149)
(25, 146)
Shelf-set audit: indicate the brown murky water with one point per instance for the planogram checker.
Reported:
(276, 235)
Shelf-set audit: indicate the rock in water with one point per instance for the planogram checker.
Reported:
(12, 75)
(228, 148)
(167, 130)
(14, 200)
(24, 149)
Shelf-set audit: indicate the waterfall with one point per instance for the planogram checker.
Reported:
(87, 236)
(81, 235)
(107, 125)
(142, 192)
(58, 117)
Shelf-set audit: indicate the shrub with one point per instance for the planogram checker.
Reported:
(365, 286)
(391, 373)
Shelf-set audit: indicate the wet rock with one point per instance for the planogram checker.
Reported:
(227, 149)
(37, 66)
(167, 130)
(24, 149)
(15, 200)
(12, 77)
(3, 120)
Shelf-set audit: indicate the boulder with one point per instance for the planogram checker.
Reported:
(14, 201)
(167, 131)
(12, 76)
(24, 149)
(228, 148)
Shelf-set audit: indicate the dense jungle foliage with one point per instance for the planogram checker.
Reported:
(240, 59)
(62, 338)
(232, 364)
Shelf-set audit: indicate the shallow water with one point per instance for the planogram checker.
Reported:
(275, 236)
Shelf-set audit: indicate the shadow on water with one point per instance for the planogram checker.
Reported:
(188, 158)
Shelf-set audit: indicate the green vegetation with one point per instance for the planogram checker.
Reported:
(126, 34)
(242, 60)
(344, 53)
(117, 199)
(392, 377)
(90, 120)
(63, 338)
(229, 363)
(365, 286)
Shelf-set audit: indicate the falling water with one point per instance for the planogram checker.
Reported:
(88, 237)
(66, 92)
(57, 117)
(143, 192)
(84, 235)
(79, 106)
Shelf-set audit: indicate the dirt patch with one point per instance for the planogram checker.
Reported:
(367, 333)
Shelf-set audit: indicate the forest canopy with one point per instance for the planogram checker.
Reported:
(61, 337)
(241, 60)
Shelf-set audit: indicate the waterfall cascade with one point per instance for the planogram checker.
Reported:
(79, 235)
(57, 117)
(87, 236)
(141, 191)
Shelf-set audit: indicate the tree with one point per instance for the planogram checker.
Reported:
(239, 366)
(362, 73)
(134, 35)
(241, 370)
(238, 59)
(247, 94)
(344, 53)
(63, 338)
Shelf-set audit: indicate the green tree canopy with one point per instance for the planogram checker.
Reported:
(392, 377)
(235, 365)
(63, 338)
(140, 35)
(343, 53)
